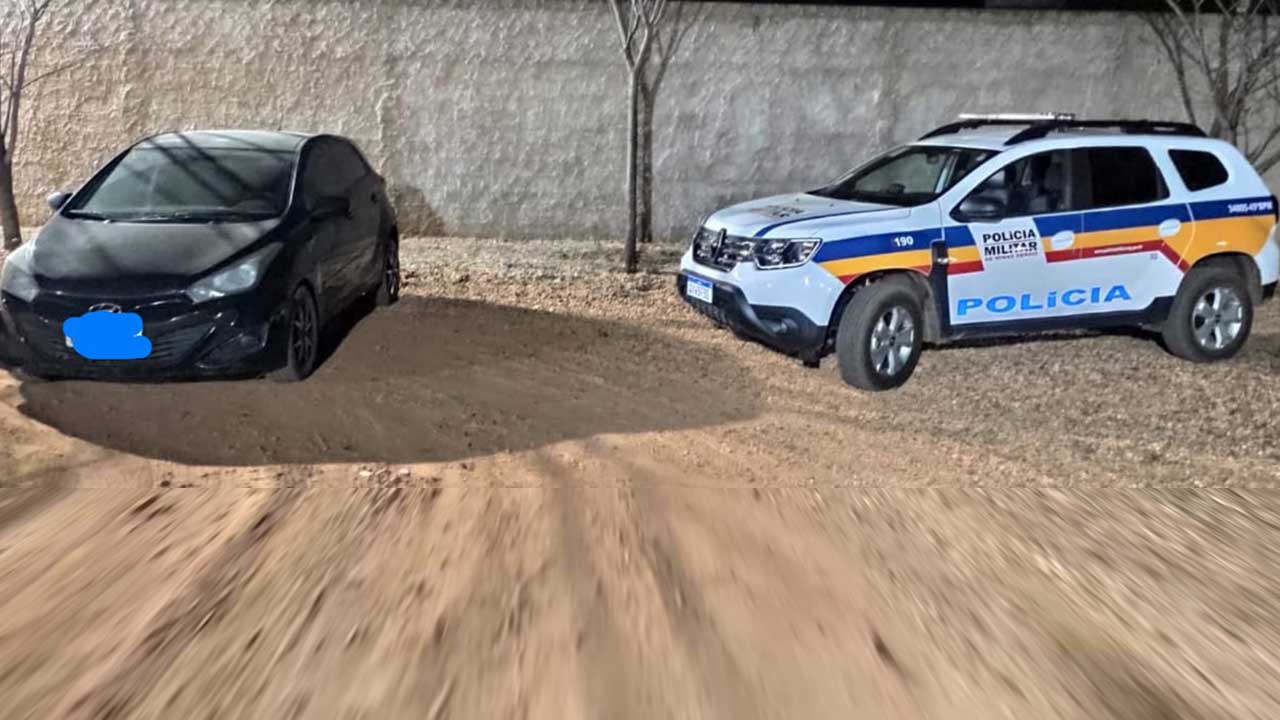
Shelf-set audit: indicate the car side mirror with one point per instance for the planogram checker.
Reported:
(980, 207)
(326, 208)
(58, 199)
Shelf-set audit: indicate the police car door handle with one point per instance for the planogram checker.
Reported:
(1062, 240)
(1170, 227)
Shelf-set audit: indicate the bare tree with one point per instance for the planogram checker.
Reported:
(20, 25)
(667, 40)
(639, 27)
(1224, 55)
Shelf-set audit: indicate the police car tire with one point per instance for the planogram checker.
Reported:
(1177, 333)
(853, 337)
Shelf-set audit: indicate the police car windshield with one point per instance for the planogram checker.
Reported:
(907, 176)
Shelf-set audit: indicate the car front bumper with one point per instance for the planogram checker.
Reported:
(782, 328)
(235, 336)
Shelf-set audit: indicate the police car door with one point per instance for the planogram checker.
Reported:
(998, 271)
(1121, 260)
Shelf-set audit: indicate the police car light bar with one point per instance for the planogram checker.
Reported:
(969, 121)
(1018, 117)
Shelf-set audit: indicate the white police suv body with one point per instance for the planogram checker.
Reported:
(998, 225)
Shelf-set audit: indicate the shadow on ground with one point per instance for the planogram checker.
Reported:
(426, 380)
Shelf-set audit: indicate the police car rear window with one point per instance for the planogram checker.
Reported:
(1200, 170)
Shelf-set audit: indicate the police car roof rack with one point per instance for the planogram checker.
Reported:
(1039, 126)
(1128, 127)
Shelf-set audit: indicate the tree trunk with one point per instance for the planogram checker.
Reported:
(645, 201)
(631, 254)
(9, 221)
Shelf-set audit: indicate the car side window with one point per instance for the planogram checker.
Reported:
(1117, 176)
(1199, 169)
(348, 164)
(1034, 185)
(319, 178)
(332, 170)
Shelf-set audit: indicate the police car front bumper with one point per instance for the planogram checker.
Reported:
(782, 328)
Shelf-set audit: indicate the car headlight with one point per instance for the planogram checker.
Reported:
(244, 275)
(777, 254)
(16, 278)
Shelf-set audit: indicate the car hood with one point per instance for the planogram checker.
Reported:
(792, 215)
(137, 255)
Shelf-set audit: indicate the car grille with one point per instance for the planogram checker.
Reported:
(717, 249)
(174, 327)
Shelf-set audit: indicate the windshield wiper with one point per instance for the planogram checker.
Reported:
(166, 217)
(86, 215)
(188, 217)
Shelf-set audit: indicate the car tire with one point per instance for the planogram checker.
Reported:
(1211, 316)
(388, 292)
(880, 335)
(302, 344)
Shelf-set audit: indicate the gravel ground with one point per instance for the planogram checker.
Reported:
(1094, 408)
(537, 488)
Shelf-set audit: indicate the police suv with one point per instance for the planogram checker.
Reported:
(997, 225)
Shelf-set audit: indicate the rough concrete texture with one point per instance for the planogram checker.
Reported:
(508, 117)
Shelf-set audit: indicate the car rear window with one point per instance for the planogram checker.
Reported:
(1199, 169)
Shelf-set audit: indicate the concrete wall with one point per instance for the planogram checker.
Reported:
(507, 117)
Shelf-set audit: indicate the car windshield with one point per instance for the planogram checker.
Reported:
(911, 175)
(194, 184)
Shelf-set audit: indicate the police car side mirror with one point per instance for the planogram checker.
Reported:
(979, 208)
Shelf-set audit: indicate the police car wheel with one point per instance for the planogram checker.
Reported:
(880, 335)
(1211, 316)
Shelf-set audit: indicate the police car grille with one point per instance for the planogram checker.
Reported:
(723, 252)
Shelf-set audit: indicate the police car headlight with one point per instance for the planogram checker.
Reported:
(16, 278)
(776, 254)
(238, 278)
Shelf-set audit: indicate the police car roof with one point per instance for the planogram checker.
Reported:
(996, 138)
(988, 137)
(994, 132)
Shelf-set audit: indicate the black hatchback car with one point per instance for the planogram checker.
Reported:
(202, 253)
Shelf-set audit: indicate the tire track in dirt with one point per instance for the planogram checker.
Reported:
(16, 504)
(608, 671)
(604, 643)
(691, 617)
(184, 617)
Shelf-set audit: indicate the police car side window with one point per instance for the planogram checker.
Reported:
(1199, 169)
(1035, 185)
(1117, 176)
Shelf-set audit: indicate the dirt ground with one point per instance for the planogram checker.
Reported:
(533, 492)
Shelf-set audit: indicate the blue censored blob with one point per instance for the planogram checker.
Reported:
(107, 336)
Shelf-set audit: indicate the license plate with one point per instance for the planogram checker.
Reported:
(700, 289)
(106, 335)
